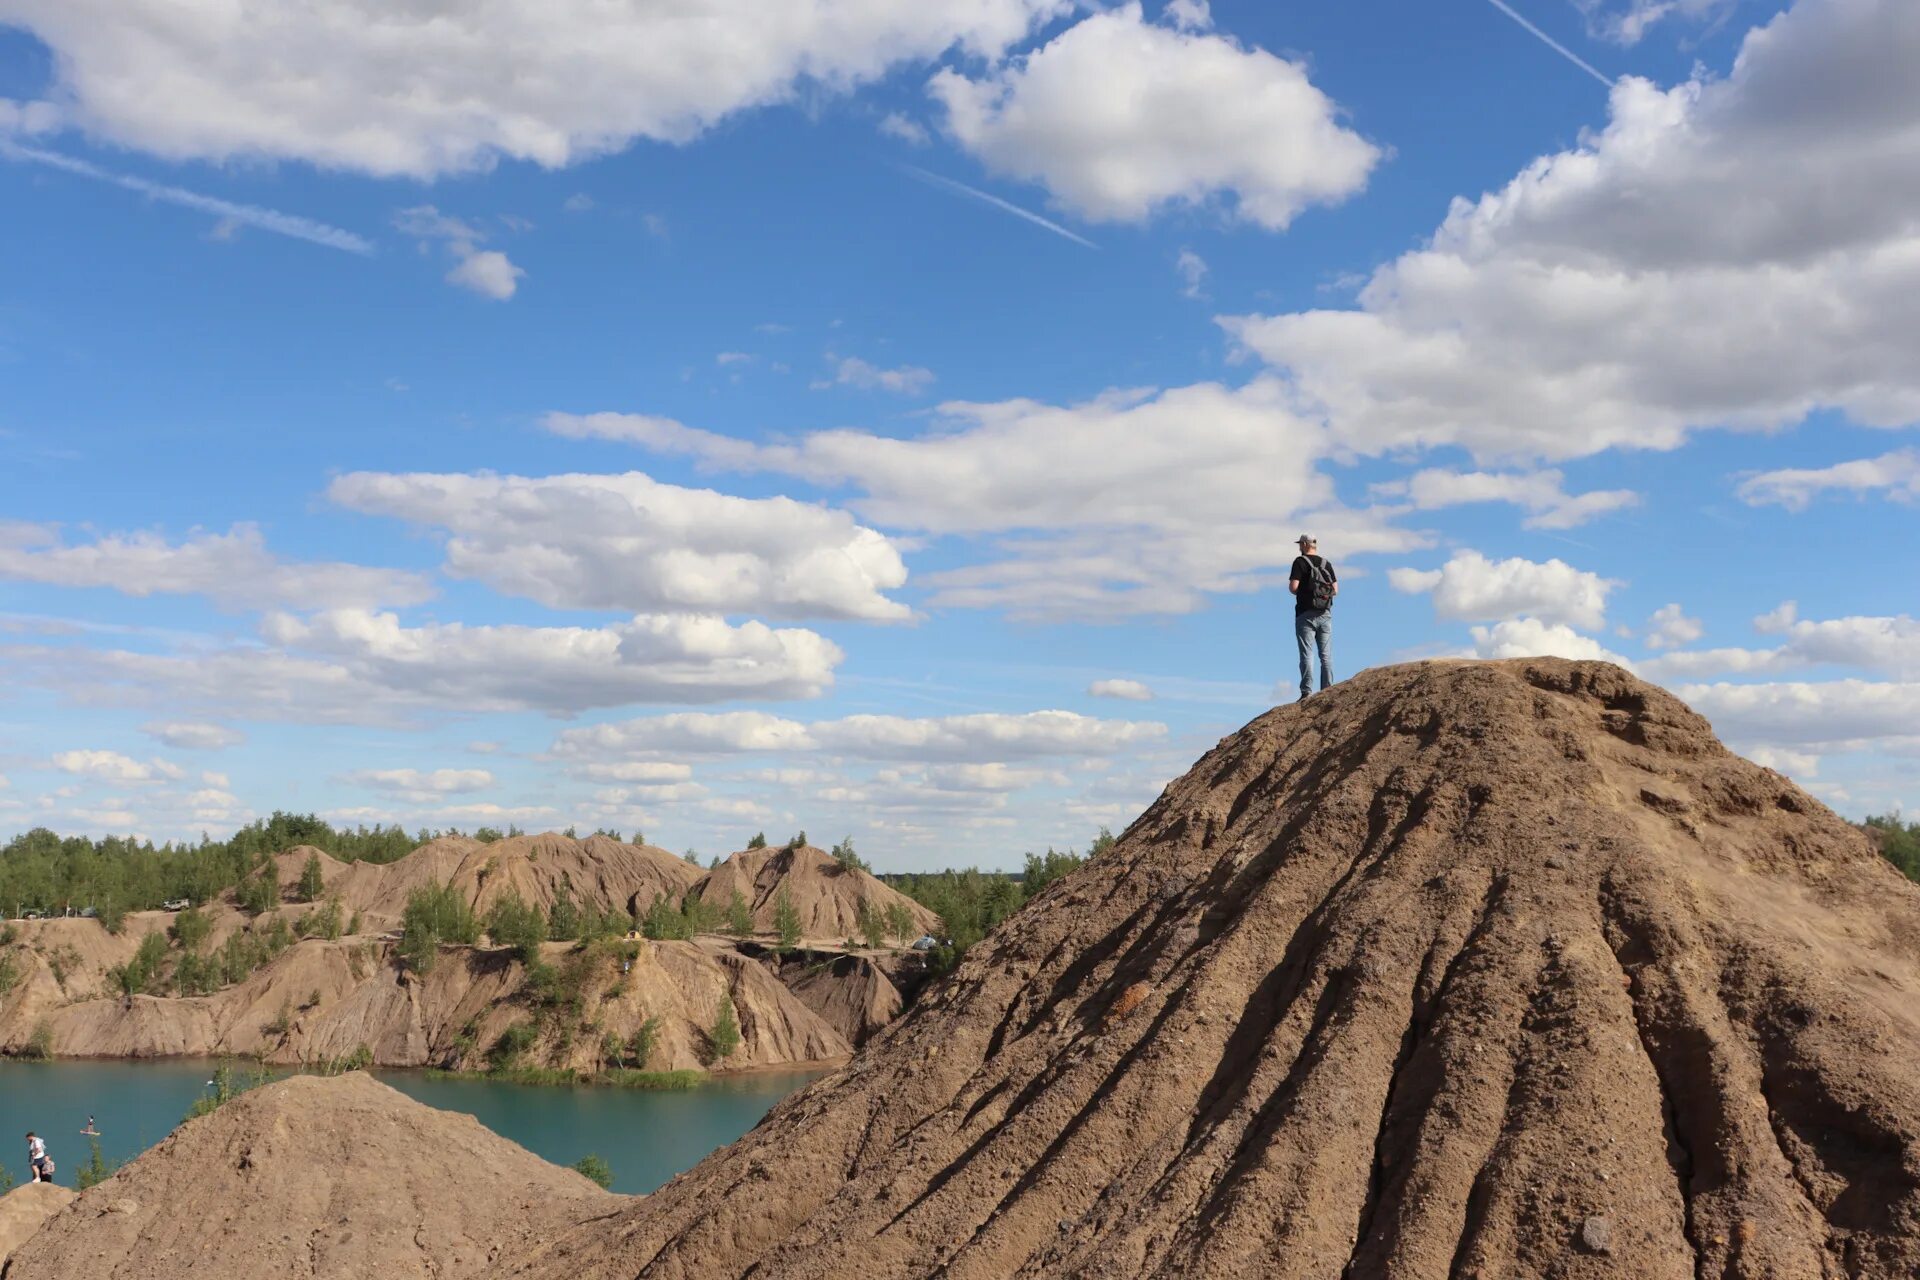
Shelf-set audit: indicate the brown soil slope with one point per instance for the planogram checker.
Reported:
(851, 993)
(337, 1178)
(597, 870)
(321, 1001)
(1462, 969)
(826, 894)
(24, 1208)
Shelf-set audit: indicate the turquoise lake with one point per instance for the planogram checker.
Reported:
(647, 1137)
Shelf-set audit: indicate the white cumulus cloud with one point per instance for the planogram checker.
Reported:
(1472, 588)
(194, 735)
(1136, 501)
(987, 737)
(632, 543)
(1895, 474)
(112, 766)
(1533, 638)
(429, 782)
(364, 667)
(1130, 690)
(1713, 257)
(1540, 493)
(233, 569)
(427, 90)
(1119, 117)
(1670, 627)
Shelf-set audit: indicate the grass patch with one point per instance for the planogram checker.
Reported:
(629, 1079)
(619, 1079)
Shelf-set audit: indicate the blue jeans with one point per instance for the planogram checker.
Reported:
(1312, 629)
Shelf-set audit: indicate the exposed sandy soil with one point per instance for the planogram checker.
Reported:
(597, 870)
(826, 894)
(341, 1178)
(1459, 970)
(338, 996)
(850, 992)
(24, 1208)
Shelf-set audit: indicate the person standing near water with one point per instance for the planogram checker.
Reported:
(37, 1159)
(1314, 585)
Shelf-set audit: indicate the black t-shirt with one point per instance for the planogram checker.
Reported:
(1302, 572)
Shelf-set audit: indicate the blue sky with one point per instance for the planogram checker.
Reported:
(705, 422)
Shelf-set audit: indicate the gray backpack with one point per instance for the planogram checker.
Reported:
(1318, 590)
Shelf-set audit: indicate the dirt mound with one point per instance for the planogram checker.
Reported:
(24, 1208)
(826, 894)
(314, 1178)
(1461, 969)
(596, 871)
(850, 992)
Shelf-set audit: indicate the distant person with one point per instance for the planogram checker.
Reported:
(90, 1130)
(37, 1158)
(1314, 585)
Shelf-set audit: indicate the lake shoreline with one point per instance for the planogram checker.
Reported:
(647, 1136)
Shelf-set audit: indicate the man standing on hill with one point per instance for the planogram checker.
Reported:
(1314, 585)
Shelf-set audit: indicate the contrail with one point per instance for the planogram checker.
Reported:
(1551, 43)
(252, 215)
(934, 179)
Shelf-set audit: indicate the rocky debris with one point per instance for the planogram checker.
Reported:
(852, 993)
(323, 1178)
(24, 1208)
(1383, 1037)
(826, 895)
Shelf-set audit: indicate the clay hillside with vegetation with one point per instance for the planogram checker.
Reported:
(1460, 969)
(523, 953)
(598, 873)
(799, 890)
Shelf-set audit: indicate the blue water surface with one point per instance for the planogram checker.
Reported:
(647, 1137)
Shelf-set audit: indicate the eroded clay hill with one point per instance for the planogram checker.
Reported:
(826, 895)
(321, 1001)
(313, 1178)
(1460, 970)
(597, 871)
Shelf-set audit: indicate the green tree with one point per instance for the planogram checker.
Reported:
(190, 928)
(759, 840)
(96, 1170)
(739, 915)
(872, 923)
(511, 922)
(1044, 870)
(640, 1047)
(725, 1034)
(259, 893)
(799, 840)
(844, 855)
(1899, 841)
(312, 878)
(900, 921)
(595, 1169)
(434, 914)
(563, 919)
(664, 920)
(786, 919)
(692, 855)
